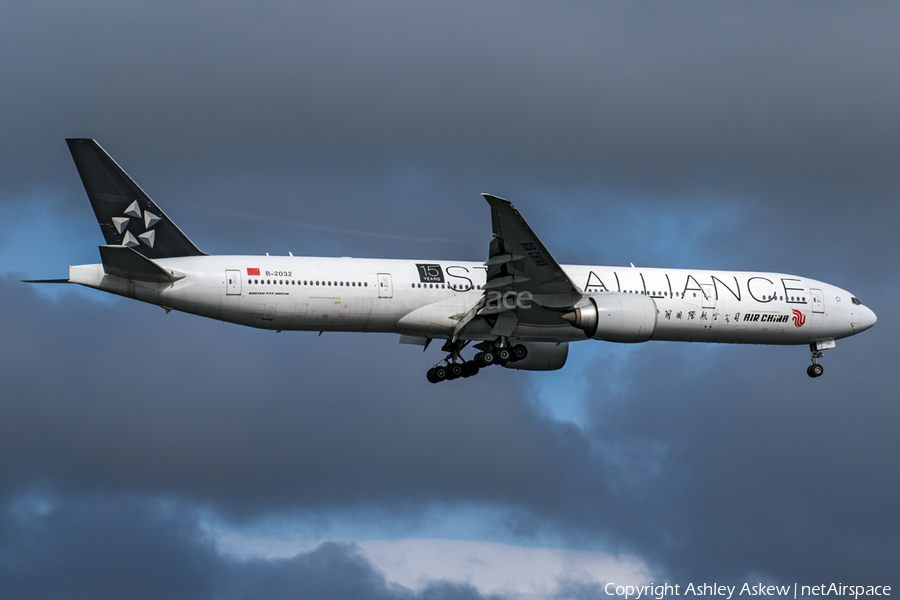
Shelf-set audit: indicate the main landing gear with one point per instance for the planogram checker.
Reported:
(815, 369)
(492, 353)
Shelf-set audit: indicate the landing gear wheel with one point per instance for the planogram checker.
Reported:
(504, 355)
(488, 357)
(519, 352)
(431, 377)
(815, 370)
(469, 368)
(439, 373)
(454, 370)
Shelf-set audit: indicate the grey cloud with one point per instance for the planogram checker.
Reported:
(575, 91)
(702, 469)
(741, 467)
(391, 118)
(101, 547)
(320, 114)
(255, 420)
(114, 546)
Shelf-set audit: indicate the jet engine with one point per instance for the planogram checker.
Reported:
(615, 317)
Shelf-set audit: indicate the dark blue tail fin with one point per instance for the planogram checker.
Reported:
(127, 216)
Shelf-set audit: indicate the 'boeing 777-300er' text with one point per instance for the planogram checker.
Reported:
(519, 309)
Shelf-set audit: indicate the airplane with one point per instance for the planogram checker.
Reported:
(519, 309)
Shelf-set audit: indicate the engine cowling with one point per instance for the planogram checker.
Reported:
(616, 317)
(542, 356)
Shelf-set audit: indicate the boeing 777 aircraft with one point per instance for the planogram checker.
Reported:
(519, 309)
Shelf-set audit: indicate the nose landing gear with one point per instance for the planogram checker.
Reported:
(815, 369)
(499, 352)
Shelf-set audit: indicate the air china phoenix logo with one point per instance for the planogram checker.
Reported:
(799, 318)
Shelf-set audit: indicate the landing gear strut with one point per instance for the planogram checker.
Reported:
(499, 352)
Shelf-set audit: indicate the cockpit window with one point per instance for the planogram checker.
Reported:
(855, 301)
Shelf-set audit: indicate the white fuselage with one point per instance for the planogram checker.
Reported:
(398, 296)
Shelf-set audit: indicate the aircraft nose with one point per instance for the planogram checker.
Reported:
(867, 318)
(870, 318)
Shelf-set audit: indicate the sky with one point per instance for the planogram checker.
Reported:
(154, 455)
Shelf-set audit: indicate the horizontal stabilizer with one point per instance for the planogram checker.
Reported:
(122, 261)
(46, 281)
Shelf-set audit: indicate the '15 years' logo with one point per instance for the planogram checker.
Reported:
(430, 273)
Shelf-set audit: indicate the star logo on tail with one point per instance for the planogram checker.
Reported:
(133, 211)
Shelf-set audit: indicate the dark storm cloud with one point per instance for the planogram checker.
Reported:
(251, 421)
(123, 547)
(741, 467)
(307, 111)
(700, 469)
(756, 136)
(774, 94)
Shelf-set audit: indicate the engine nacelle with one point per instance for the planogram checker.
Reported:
(542, 356)
(616, 317)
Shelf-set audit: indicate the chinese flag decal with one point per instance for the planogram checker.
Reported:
(252, 271)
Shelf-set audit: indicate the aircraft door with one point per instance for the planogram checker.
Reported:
(233, 283)
(818, 300)
(385, 287)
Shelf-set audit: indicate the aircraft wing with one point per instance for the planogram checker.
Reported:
(525, 285)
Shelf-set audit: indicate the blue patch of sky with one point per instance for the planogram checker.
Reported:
(32, 505)
(40, 240)
(603, 226)
(563, 393)
(384, 214)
